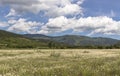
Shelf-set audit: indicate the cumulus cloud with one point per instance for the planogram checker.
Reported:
(22, 25)
(11, 13)
(102, 24)
(3, 24)
(58, 24)
(57, 12)
(93, 25)
(52, 8)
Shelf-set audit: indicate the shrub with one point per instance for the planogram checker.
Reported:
(86, 52)
(54, 54)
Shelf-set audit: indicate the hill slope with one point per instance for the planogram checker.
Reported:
(11, 40)
(75, 40)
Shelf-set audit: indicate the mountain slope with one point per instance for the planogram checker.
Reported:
(11, 40)
(86, 41)
(75, 40)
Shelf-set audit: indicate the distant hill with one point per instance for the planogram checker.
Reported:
(76, 40)
(12, 40)
(37, 36)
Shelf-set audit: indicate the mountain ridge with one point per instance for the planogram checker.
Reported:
(77, 40)
(12, 40)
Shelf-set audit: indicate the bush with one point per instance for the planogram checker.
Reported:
(54, 54)
(86, 52)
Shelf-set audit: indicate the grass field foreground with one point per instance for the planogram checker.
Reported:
(60, 62)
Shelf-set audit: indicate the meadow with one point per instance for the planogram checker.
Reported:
(60, 62)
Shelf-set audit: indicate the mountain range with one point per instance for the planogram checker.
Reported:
(76, 40)
(12, 40)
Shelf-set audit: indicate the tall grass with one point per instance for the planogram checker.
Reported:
(60, 63)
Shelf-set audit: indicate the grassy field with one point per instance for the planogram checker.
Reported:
(56, 62)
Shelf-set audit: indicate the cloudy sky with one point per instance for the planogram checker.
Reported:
(61, 17)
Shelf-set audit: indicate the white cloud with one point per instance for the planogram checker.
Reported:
(11, 13)
(3, 24)
(101, 24)
(55, 25)
(52, 8)
(22, 25)
(80, 2)
(93, 25)
(57, 10)
(69, 9)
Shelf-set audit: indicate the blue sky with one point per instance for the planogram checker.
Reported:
(102, 7)
(61, 17)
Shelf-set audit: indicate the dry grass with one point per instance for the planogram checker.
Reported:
(60, 62)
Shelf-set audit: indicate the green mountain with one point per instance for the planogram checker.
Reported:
(75, 40)
(86, 41)
(12, 40)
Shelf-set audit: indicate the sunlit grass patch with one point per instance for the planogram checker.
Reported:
(57, 62)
